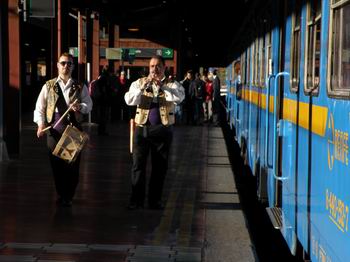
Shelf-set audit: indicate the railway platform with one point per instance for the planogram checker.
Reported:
(203, 219)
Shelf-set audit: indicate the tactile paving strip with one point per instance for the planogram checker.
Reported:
(66, 252)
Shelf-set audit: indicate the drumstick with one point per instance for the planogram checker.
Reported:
(61, 118)
(46, 128)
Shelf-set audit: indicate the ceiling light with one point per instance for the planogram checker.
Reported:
(133, 29)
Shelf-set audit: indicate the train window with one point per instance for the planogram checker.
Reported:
(264, 49)
(254, 61)
(295, 49)
(313, 47)
(257, 62)
(247, 74)
(262, 61)
(233, 74)
(269, 53)
(243, 59)
(237, 69)
(339, 55)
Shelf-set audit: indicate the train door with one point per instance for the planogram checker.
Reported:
(249, 109)
(239, 100)
(253, 105)
(265, 81)
(282, 178)
(291, 117)
(245, 108)
(257, 101)
(229, 94)
(308, 112)
(234, 91)
(329, 181)
(273, 106)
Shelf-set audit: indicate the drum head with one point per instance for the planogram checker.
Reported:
(70, 144)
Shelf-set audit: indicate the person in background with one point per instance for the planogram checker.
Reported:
(207, 100)
(216, 98)
(119, 109)
(115, 114)
(122, 89)
(196, 94)
(55, 97)
(102, 95)
(187, 105)
(154, 97)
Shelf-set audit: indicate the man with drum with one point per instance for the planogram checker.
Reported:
(56, 97)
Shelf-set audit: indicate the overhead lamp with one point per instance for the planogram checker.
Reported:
(133, 29)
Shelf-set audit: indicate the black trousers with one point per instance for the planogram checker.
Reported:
(66, 175)
(157, 140)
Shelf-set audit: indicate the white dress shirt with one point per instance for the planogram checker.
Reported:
(41, 103)
(174, 92)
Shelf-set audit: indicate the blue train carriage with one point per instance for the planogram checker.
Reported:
(293, 127)
(233, 91)
(225, 78)
(250, 103)
(330, 235)
(228, 90)
(307, 140)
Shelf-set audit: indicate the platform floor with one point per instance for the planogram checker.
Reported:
(203, 219)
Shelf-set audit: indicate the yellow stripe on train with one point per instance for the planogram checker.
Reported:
(290, 111)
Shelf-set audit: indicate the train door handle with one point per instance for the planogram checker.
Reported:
(275, 133)
(267, 121)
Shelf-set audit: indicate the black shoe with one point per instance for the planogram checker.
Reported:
(156, 206)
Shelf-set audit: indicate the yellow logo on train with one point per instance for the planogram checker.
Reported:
(338, 147)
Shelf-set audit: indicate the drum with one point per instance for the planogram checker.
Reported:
(70, 144)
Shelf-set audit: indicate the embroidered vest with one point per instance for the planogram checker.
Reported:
(166, 108)
(53, 96)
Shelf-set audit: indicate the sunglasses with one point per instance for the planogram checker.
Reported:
(68, 63)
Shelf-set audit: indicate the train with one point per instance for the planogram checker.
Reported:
(288, 101)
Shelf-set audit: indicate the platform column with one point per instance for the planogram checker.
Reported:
(3, 148)
(11, 80)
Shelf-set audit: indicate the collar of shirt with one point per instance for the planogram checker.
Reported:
(65, 88)
(63, 85)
